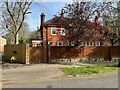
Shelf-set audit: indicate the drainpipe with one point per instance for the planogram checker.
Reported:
(47, 47)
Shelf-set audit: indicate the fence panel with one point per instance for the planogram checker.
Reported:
(36, 54)
(18, 51)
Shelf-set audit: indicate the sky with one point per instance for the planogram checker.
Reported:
(48, 8)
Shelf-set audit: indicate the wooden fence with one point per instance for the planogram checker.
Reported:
(84, 52)
(37, 55)
(28, 55)
(18, 51)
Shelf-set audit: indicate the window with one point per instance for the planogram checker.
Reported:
(72, 43)
(82, 44)
(38, 45)
(62, 31)
(60, 43)
(50, 43)
(85, 43)
(53, 30)
(91, 44)
(97, 44)
(67, 44)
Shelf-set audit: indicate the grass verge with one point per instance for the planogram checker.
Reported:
(88, 70)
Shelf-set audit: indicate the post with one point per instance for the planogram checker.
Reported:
(47, 47)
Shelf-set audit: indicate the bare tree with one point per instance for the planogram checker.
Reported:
(23, 34)
(13, 16)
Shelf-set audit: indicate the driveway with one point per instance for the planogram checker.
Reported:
(20, 73)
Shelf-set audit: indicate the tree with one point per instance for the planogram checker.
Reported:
(111, 20)
(110, 15)
(23, 35)
(35, 34)
(13, 16)
(74, 18)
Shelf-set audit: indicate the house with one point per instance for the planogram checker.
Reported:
(57, 36)
(36, 42)
(2, 43)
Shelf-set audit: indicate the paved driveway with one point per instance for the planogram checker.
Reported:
(40, 72)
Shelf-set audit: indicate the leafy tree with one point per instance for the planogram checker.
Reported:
(75, 17)
(111, 20)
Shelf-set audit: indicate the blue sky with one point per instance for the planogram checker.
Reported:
(48, 8)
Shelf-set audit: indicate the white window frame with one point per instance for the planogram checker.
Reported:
(38, 45)
(91, 44)
(52, 43)
(85, 43)
(53, 28)
(97, 44)
(62, 30)
(82, 44)
(59, 42)
(72, 44)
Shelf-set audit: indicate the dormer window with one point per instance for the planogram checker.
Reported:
(53, 30)
(62, 31)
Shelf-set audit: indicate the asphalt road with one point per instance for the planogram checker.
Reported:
(110, 81)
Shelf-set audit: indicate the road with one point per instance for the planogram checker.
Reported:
(49, 75)
(110, 81)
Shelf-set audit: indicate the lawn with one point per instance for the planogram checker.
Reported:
(88, 70)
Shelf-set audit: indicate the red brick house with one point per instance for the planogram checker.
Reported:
(51, 33)
(56, 35)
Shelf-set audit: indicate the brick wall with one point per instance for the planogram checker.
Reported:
(53, 38)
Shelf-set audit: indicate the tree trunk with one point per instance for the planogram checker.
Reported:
(15, 39)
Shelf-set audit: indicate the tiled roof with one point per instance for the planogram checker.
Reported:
(51, 22)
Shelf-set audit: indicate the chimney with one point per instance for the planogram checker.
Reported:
(41, 27)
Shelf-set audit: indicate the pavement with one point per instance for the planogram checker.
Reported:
(20, 75)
